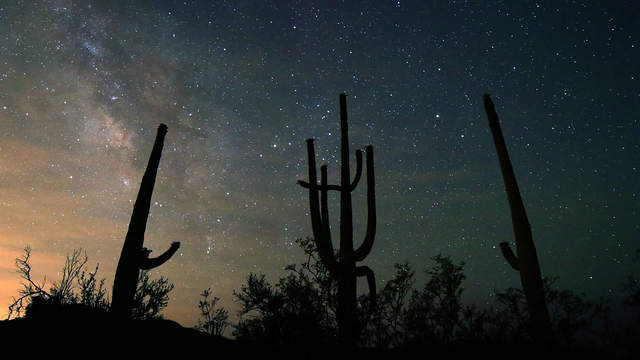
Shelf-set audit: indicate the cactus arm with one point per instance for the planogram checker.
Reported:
(306, 185)
(150, 263)
(314, 204)
(364, 249)
(355, 181)
(330, 263)
(353, 184)
(324, 208)
(325, 248)
(509, 255)
(371, 279)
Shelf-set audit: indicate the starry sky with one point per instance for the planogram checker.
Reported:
(241, 85)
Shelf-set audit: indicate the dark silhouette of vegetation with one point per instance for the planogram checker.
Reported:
(72, 316)
(298, 311)
(91, 293)
(631, 331)
(631, 287)
(526, 261)
(386, 322)
(212, 320)
(570, 313)
(343, 269)
(80, 288)
(296, 316)
(134, 257)
(433, 314)
(151, 297)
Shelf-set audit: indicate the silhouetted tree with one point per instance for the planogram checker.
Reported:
(151, 297)
(570, 313)
(629, 333)
(513, 315)
(134, 257)
(433, 314)
(385, 323)
(299, 309)
(631, 287)
(212, 320)
(92, 292)
(60, 292)
(343, 269)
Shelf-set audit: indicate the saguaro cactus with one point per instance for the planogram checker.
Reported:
(134, 257)
(344, 268)
(526, 261)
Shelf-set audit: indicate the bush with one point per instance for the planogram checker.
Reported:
(212, 321)
(298, 310)
(81, 287)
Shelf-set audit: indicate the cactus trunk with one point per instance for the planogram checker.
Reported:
(344, 268)
(526, 259)
(134, 257)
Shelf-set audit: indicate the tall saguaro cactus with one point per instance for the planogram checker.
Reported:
(526, 261)
(343, 269)
(134, 257)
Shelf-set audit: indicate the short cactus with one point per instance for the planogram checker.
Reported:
(134, 257)
(526, 261)
(344, 268)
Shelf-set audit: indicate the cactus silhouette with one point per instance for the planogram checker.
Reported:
(134, 257)
(344, 268)
(526, 261)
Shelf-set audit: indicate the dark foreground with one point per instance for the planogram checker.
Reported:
(73, 334)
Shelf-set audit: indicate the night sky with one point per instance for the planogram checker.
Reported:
(242, 84)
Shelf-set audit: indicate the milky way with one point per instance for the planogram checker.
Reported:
(242, 84)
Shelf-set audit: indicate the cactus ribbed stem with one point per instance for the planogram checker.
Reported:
(344, 269)
(134, 257)
(526, 259)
